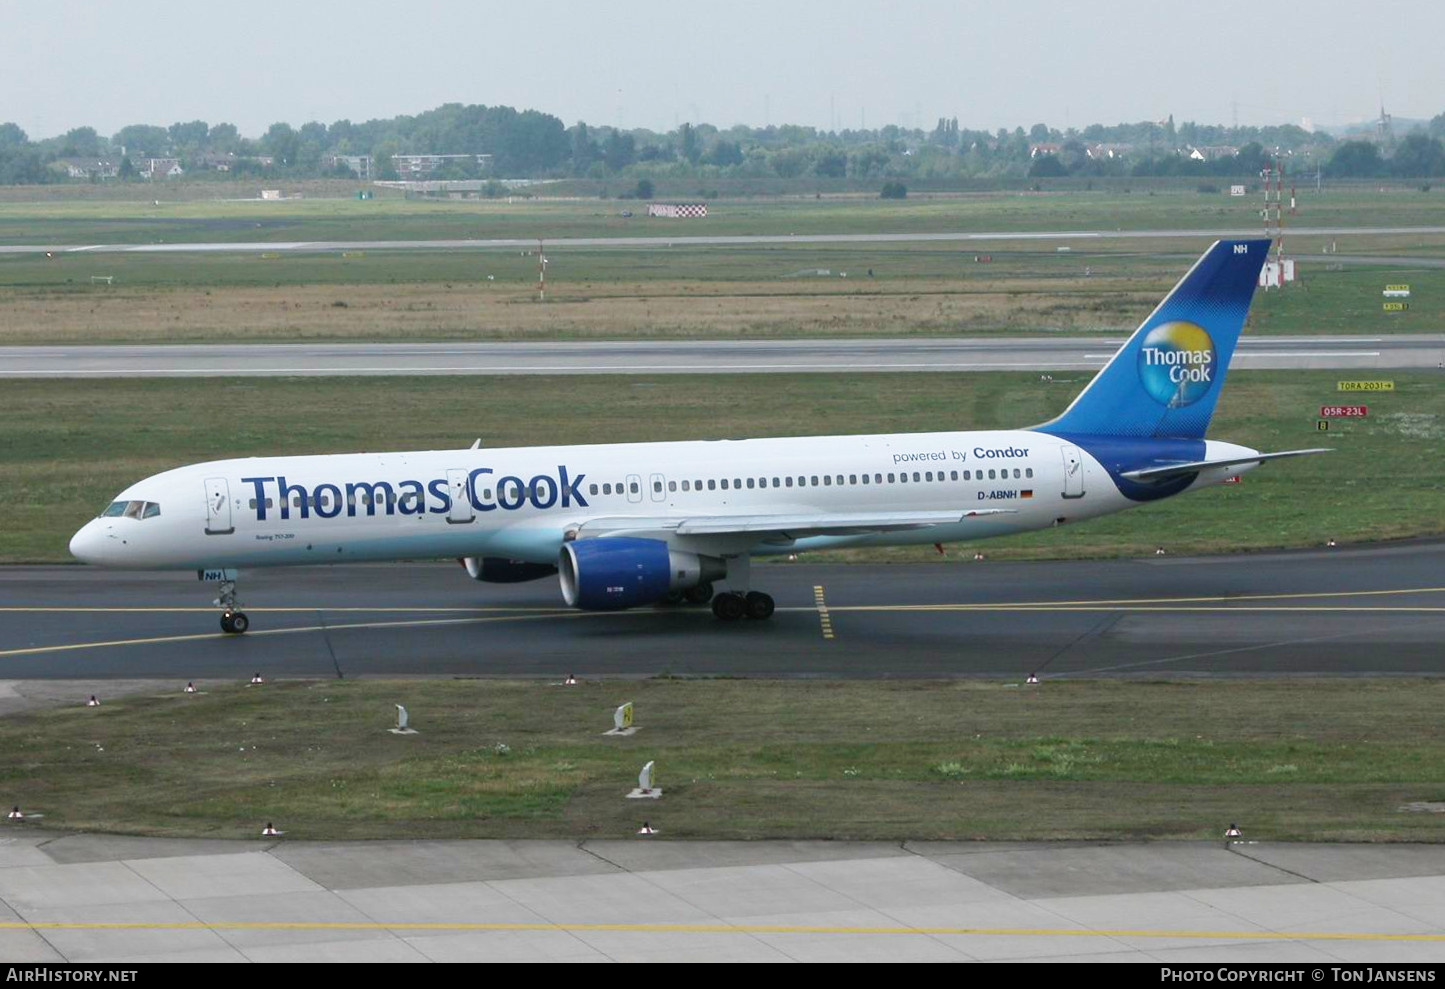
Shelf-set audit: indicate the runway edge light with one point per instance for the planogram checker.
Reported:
(269, 831)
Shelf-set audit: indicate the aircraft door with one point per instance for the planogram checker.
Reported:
(634, 488)
(659, 487)
(1073, 472)
(218, 507)
(461, 510)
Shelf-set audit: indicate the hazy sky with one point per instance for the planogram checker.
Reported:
(642, 63)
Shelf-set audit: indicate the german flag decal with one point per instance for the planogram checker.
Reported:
(1026, 493)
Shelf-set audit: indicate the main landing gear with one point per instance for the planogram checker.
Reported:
(728, 606)
(731, 606)
(737, 602)
(233, 620)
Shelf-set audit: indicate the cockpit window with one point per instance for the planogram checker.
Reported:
(131, 510)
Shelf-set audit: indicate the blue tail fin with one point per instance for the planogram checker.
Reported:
(1165, 381)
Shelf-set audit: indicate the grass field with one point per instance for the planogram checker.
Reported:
(67, 447)
(682, 293)
(1318, 760)
(1007, 286)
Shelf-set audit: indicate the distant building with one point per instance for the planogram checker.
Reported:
(1044, 149)
(215, 162)
(1213, 152)
(421, 166)
(360, 165)
(1108, 152)
(161, 168)
(88, 168)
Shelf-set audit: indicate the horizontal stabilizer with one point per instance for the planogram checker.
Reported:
(1194, 467)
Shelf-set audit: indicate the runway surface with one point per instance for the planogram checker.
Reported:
(739, 240)
(687, 356)
(103, 898)
(1371, 610)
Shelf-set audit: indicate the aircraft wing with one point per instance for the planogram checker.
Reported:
(1195, 466)
(790, 526)
(826, 525)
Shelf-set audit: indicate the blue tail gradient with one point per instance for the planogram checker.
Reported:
(1165, 381)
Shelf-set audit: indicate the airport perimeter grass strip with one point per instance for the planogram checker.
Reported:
(66, 449)
(680, 293)
(1336, 760)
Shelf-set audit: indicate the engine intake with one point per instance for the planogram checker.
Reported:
(615, 572)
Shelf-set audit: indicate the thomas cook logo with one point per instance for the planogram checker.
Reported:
(1177, 363)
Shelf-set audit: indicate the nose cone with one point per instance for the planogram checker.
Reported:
(88, 544)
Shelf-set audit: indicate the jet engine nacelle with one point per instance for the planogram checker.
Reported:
(500, 570)
(614, 572)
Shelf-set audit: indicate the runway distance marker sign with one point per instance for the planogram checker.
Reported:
(1366, 386)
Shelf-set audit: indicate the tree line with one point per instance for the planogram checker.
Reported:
(533, 144)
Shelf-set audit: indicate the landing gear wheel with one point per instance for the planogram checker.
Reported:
(235, 622)
(759, 606)
(673, 598)
(701, 594)
(729, 607)
(226, 624)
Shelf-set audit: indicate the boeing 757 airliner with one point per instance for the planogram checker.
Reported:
(628, 524)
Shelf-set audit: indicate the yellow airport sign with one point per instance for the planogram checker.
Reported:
(1396, 306)
(1367, 386)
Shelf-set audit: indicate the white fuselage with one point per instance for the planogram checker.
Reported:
(522, 503)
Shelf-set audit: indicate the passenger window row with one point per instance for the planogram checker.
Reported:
(816, 480)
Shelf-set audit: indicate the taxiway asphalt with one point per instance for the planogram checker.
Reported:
(1084, 354)
(99, 898)
(1376, 610)
(1204, 235)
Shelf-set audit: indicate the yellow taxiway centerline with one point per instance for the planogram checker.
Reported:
(13, 925)
(159, 639)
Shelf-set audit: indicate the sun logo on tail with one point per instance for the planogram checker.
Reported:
(1177, 363)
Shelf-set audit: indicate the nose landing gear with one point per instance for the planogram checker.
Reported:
(233, 620)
